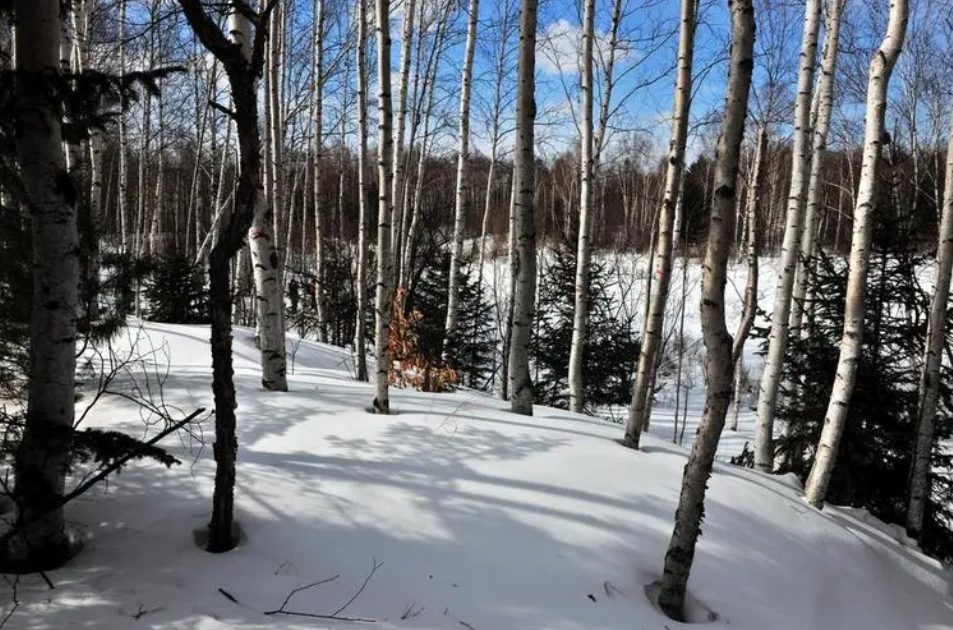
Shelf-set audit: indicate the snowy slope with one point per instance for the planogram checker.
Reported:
(478, 519)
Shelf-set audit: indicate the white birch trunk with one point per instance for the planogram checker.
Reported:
(317, 177)
(360, 350)
(824, 100)
(800, 164)
(42, 456)
(933, 356)
(385, 175)
(524, 299)
(463, 176)
(580, 323)
(881, 67)
(640, 407)
(266, 262)
(718, 367)
(399, 176)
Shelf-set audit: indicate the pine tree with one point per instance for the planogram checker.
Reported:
(611, 348)
(875, 456)
(176, 291)
(469, 351)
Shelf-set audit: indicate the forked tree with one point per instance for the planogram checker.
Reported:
(242, 56)
(881, 67)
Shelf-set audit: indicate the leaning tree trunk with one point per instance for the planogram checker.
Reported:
(881, 67)
(360, 350)
(580, 322)
(463, 179)
(933, 357)
(385, 208)
(640, 407)
(800, 164)
(42, 457)
(824, 100)
(243, 59)
(718, 367)
(524, 299)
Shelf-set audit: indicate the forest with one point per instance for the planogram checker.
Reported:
(728, 217)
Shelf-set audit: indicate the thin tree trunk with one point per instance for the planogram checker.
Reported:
(399, 172)
(718, 367)
(385, 207)
(360, 350)
(751, 284)
(317, 177)
(881, 67)
(930, 378)
(639, 409)
(42, 456)
(800, 165)
(580, 323)
(524, 299)
(815, 188)
(463, 178)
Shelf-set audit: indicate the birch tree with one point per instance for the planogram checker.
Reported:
(824, 100)
(317, 175)
(933, 357)
(362, 200)
(640, 406)
(463, 174)
(243, 60)
(587, 171)
(399, 176)
(881, 67)
(524, 251)
(42, 457)
(385, 175)
(123, 198)
(263, 244)
(718, 366)
(800, 165)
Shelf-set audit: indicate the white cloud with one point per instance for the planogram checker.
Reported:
(559, 48)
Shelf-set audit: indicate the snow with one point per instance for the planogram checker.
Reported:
(475, 519)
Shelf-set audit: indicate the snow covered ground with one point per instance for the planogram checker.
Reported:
(457, 515)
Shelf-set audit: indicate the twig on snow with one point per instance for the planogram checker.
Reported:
(295, 591)
(16, 601)
(336, 615)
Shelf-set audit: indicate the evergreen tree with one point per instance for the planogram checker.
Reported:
(612, 348)
(875, 455)
(470, 349)
(176, 291)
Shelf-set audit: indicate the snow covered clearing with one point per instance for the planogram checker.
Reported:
(456, 514)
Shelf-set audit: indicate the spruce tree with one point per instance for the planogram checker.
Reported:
(875, 456)
(612, 348)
